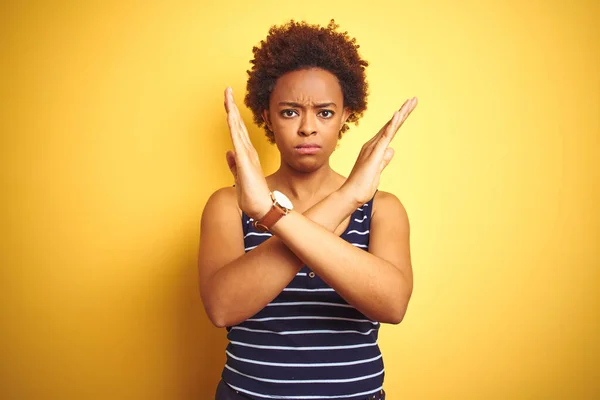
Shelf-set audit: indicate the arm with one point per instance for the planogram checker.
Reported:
(261, 272)
(233, 285)
(378, 283)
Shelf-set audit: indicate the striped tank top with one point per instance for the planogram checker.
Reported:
(308, 343)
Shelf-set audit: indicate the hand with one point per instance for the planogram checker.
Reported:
(251, 186)
(374, 156)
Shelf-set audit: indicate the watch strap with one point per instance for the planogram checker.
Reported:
(271, 217)
(274, 214)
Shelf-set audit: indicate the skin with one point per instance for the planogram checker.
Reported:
(306, 106)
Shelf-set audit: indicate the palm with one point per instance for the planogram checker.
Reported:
(375, 155)
(244, 164)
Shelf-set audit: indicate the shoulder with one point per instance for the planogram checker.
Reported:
(385, 200)
(226, 193)
(223, 200)
(387, 207)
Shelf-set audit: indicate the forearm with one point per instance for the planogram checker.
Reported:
(246, 285)
(243, 287)
(371, 284)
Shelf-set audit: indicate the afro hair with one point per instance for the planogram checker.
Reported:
(299, 45)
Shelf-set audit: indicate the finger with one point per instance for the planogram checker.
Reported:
(383, 128)
(226, 99)
(230, 157)
(388, 134)
(400, 116)
(238, 144)
(387, 157)
(406, 110)
(228, 103)
(241, 127)
(370, 144)
(239, 135)
(390, 122)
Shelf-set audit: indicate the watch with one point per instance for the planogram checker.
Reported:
(281, 207)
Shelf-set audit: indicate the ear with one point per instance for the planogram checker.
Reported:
(345, 114)
(267, 119)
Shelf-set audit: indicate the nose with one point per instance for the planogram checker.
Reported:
(308, 125)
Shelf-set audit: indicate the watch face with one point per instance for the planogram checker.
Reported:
(283, 200)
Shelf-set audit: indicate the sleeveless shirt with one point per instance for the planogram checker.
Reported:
(308, 343)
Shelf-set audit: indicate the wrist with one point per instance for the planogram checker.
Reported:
(280, 206)
(262, 210)
(345, 195)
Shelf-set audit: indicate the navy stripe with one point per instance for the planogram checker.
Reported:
(309, 356)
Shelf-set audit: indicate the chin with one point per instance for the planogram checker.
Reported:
(306, 166)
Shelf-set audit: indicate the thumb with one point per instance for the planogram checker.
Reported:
(230, 156)
(387, 157)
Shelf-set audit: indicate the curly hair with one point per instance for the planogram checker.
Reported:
(299, 45)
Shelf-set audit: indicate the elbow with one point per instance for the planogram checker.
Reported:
(220, 323)
(216, 313)
(397, 314)
(214, 309)
(393, 317)
(217, 318)
(223, 316)
(397, 317)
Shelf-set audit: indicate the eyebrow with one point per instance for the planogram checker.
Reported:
(298, 105)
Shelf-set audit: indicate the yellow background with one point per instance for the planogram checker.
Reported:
(114, 136)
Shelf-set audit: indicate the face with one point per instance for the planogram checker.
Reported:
(306, 112)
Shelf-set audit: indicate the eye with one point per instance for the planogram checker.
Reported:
(326, 114)
(288, 113)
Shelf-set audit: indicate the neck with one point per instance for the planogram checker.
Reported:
(306, 186)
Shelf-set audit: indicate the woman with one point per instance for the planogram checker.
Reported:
(302, 266)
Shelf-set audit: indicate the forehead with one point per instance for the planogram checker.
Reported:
(312, 85)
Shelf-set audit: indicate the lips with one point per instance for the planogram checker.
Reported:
(308, 148)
